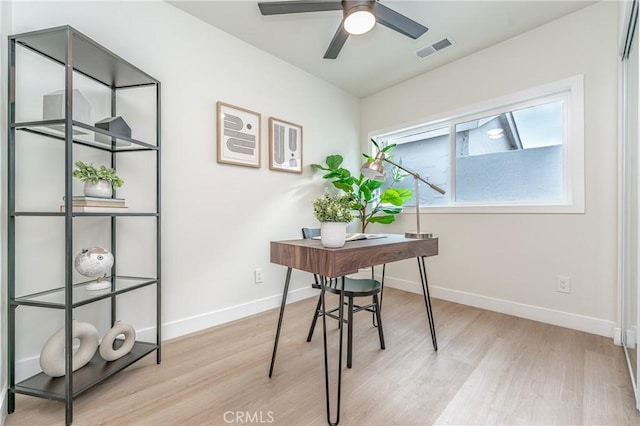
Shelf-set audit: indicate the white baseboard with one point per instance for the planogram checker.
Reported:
(27, 367)
(535, 313)
(210, 319)
(617, 336)
(631, 337)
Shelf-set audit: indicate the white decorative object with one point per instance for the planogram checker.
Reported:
(102, 189)
(52, 359)
(95, 262)
(333, 234)
(106, 346)
(53, 106)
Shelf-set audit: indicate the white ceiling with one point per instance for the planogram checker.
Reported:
(381, 58)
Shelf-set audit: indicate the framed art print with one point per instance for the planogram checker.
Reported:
(238, 136)
(285, 146)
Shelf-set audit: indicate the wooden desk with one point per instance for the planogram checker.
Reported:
(309, 255)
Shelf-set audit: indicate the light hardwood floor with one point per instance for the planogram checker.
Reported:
(490, 369)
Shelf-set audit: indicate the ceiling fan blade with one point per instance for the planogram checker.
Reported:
(339, 38)
(302, 6)
(400, 23)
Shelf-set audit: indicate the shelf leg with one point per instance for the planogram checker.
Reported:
(68, 409)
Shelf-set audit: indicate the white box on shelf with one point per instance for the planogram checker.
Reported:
(53, 106)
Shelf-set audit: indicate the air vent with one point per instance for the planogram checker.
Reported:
(436, 47)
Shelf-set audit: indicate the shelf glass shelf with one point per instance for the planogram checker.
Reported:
(80, 214)
(89, 58)
(95, 372)
(84, 134)
(55, 298)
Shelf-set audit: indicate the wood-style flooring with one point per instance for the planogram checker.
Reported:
(490, 369)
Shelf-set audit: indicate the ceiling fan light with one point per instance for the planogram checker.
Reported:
(359, 20)
(495, 133)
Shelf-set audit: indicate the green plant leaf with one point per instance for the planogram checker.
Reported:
(318, 167)
(332, 175)
(367, 195)
(372, 185)
(343, 186)
(368, 157)
(389, 147)
(391, 196)
(405, 194)
(392, 210)
(334, 161)
(399, 175)
(375, 144)
(382, 219)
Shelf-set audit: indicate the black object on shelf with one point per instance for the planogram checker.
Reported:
(115, 126)
(77, 54)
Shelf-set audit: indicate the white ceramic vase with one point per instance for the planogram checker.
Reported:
(52, 360)
(107, 352)
(333, 234)
(102, 189)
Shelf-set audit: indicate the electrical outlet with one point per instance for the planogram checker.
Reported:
(563, 285)
(257, 276)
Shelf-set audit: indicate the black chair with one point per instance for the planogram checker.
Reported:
(352, 288)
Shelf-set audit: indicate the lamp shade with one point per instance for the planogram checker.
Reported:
(359, 20)
(375, 169)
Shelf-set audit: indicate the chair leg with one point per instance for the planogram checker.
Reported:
(350, 333)
(315, 319)
(377, 308)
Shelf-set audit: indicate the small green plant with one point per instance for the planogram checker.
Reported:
(88, 173)
(370, 207)
(334, 208)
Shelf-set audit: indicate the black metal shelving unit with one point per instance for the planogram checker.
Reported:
(79, 55)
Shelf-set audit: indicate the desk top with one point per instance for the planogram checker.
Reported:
(311, 256)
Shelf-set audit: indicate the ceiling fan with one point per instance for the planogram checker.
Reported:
(359, 16)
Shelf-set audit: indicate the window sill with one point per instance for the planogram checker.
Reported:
(556, 208)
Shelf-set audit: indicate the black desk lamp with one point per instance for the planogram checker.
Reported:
(375, 170)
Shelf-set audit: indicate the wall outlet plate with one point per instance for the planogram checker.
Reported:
(257, 276)
(563, 285)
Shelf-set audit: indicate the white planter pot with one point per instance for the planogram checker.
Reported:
(102, 189)
(333, 234)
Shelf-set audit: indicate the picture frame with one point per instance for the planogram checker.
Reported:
(238, 140)
(285, 146)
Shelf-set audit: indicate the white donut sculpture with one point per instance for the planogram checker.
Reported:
(52, 354)
(106, 347)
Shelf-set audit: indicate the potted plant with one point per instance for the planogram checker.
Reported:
(370, 207)
(98, 182)
(333, 212)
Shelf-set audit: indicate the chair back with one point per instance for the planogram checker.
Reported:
(310, 232)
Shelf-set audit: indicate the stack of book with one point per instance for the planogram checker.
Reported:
(85, 204)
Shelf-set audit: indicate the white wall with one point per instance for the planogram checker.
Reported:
(510, 262)
(217, 219)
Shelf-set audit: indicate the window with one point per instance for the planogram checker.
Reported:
(520, 153)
